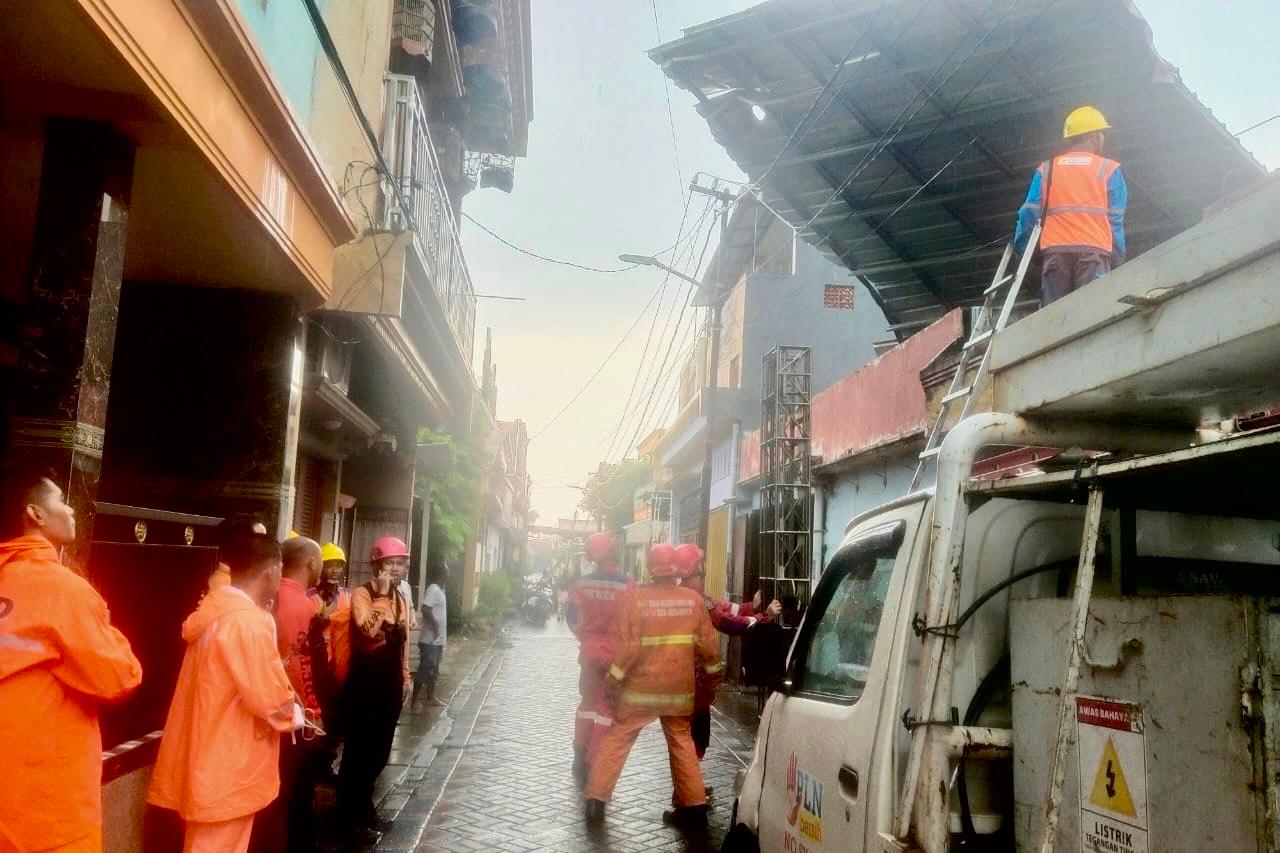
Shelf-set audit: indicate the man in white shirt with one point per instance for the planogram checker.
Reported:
(431, 639)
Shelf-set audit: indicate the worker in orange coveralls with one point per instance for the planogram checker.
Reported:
(592, 613)
(288, 823)
(726, 617)
(376, 688)
(663, 631)
(333, 601)
(335, 606)
(219, 757)
(59, 657)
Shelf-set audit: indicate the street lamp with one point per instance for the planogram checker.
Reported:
(713, 297)
(706, 293)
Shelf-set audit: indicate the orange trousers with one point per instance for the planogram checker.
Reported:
(686, 773)
(595, 714)
(228, 836)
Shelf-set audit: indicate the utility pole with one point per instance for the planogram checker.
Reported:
(710, 404)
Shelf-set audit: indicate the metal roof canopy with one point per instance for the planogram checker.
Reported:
(936, 123)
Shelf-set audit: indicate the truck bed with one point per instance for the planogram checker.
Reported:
(1189, 332)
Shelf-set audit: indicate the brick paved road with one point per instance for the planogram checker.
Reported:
(499, 778)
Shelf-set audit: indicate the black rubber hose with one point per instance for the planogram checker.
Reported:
(998, 675)
(1005, 584)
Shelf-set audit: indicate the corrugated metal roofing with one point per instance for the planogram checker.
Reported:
(926, 141)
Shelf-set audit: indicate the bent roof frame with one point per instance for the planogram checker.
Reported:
(930, 134)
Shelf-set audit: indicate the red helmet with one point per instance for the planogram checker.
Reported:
(599, 547)
(688, 556)
(387, 546)
(662, 561)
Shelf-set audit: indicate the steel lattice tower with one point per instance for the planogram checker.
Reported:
(786, 498)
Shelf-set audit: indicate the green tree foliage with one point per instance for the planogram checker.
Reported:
(458, 493)
(494, 595)
(610, 492)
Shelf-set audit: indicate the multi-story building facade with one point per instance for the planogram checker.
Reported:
(231, 280)
(781, 291)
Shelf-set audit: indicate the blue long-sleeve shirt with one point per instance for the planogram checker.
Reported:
(1030, 212)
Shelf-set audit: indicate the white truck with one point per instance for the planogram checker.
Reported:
(1081, 659)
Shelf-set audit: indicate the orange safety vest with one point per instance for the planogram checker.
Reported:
(1075, 202)
(663, 632)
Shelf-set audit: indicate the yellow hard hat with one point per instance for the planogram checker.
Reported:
(329, 551)
(293, 534)
(1084, 120)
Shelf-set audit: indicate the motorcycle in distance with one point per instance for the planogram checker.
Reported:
(537, 600)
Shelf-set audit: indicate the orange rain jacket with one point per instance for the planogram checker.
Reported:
(219, 577)
(663, 632)
(219, 758)
(59, 657)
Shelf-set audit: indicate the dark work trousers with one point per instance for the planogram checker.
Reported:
(1066, 271)
(701, 730)
(371, 703)
(288, 824)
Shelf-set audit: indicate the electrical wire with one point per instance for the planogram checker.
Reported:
(645, 369)
(803, 127)
(895, 128)
(661, 371)
(671, 118)
(644, 356)
(600, 368)
(655, 378)
(574, 264)
(559, 261)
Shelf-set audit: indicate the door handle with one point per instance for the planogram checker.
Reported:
(848, 778)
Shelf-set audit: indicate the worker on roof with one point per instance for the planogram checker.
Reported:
(59, 658)
(1079, 196)
(592, 611)
(663, 632)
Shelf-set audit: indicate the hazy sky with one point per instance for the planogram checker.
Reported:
(601, 179)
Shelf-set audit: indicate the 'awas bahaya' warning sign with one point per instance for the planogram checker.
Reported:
(1113, 776)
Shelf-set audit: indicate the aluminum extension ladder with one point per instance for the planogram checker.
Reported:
(983, 330)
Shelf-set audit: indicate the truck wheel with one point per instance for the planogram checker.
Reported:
(740, 840)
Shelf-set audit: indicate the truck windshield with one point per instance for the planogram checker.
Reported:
(834, 657)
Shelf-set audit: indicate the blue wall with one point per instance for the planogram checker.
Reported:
(860, 489)
(788, 310)
(288, 39)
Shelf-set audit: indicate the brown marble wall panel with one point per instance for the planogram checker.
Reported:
(62, 379)
(205, 403)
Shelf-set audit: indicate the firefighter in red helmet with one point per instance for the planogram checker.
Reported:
(594, 600)
(663, 632)
(375, 687)
(726, 617)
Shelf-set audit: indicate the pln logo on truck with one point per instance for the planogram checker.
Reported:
(804, 793)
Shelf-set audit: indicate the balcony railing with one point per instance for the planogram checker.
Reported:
(416, 173)
(415, 20)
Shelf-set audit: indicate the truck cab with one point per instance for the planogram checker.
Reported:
(1075, 658)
